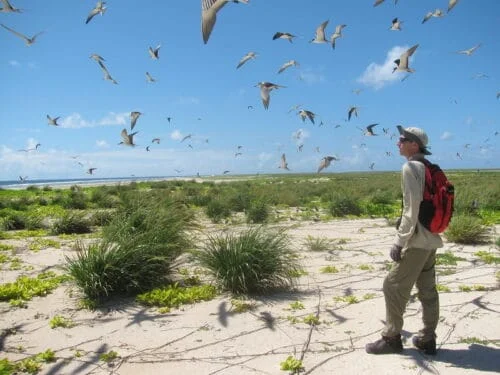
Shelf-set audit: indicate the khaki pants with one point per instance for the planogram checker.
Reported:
(415, 267)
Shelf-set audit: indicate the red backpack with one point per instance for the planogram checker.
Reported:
(436, 207)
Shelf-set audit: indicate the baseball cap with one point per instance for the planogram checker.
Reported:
(416, 135)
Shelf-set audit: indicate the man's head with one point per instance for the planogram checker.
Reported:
(412, 141)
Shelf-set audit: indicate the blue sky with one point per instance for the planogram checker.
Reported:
(451, 95)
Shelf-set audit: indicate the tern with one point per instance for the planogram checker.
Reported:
(357, 91)
(134, 115)
(287, 36)
(294, 108)
(156, 140)
(368, 131)
(244, 59)
(107, 76)
(209, 9)
(97, 57)
(325, 162)
(402, 62)
(154, 53)
(353, 110)
(226, 172)
(7, 7)
(128, 139)
(23, 179)
(98, 9)
(28, 41)
(306, 114)
(283, 164)
(436, 13)
(470, 51)
(186, 137)
(337, 34)
(91, 170)
(372, 165)
(396, 24)
(319, 37)
(265, 89)
(451, 5)
(378, 2)
(287, 65)
(52, 121)
(149, 78)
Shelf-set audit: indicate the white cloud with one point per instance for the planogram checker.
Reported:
(113, 118)
(76, 120)
(446, 136)
(310, 77)
(378, 75)
(176, 135)
(299, 136)
(14, 63)
(102, 144)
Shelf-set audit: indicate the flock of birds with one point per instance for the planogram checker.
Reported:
(209, 12)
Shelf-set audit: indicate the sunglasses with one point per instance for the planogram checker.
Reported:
(403, 140)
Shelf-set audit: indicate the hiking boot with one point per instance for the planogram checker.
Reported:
(428, 347)
(386, 345)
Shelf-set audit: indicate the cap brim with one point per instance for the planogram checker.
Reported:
(414, 138)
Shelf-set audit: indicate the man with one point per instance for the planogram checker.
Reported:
(414, 251)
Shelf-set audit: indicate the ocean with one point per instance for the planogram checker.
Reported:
(65, 183)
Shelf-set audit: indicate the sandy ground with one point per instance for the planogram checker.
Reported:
(210, 338)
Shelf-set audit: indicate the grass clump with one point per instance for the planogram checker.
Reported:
(60, 321)
(138, 251)
(343, 204)
(43, 243)
(442, 288)
(175, 296)
(71, 223)
(240, 306)
(347, 299)
(25, 288)
(254, 261)
(292, 365)
(447, 259)
(258, 212)
(317, 243)
(109, 356)
(217, 210)
(487, 258)
(311, 319)
(297, 305)
(467, 229)
(329, 269)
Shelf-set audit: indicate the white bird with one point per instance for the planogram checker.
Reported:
(436, 13)
(27, 40)
(134, 115)
(128, 139)
(396, 24)
(337, 34)
(149, 78)
(287, 65)
(325, 162)
(209, 9)
(52, 121)
(306, 114)
(294, 108)
(287, 36)
(470, 51)
(107, 76)
(368, 131)
(403, 61)
(98, 9)
(154, 53)
(320, 37)
(7, 7)
(97, 57)
(244, 59)
(283, 164)
(265, 89)
(451, 5)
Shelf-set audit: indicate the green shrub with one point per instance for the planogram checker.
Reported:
(217, 210)
(466, 229)
(254, 261)
(76, 199)
(71, 223)
(101, 217)
(258, 212)
(139, 249)
(343, 204)
(317, 243)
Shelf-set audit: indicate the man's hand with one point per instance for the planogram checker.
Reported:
(396, 253)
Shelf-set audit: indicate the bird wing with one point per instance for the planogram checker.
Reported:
(91, 15)
(284, 66)
(277, 35)
(370, 127)
(320, 31)
(208, 17)
(124, 136)
(310, 116)
(451, 4)
(378, 2)
(244, 60)
(264, 94)
(15, 32)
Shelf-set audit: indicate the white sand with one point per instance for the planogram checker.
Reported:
(209, 338)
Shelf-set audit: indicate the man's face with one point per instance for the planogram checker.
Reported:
(406, 146)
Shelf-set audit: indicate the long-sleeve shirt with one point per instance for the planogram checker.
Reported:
(411, 232)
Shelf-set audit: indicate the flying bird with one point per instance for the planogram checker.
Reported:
(149, 78)
(283, 164)
(353, 110)
(396, 24)
(287, 65)
(451, 5)
(134, 115)
(7, 7)
(186, 137)
(319, 37)
(236, 154)
(154, 53)
(306, 114)
(325, 162)
(337, 34)
(98, 9)
(244, 59)
(225, 172)
(97, 57)
(23, 179)
(286, 36)
(294, 108)
(402, 62)
(470, 51)
(378, 2)
(436, 13)
(156, 140)
(107, 76)
(372, 165)
(91, 170)
(357, 91)
(265, 89)
(128, 139)
(53, 121)
(368, 131)
(28, 41)
(147, 148)
(209, 9)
